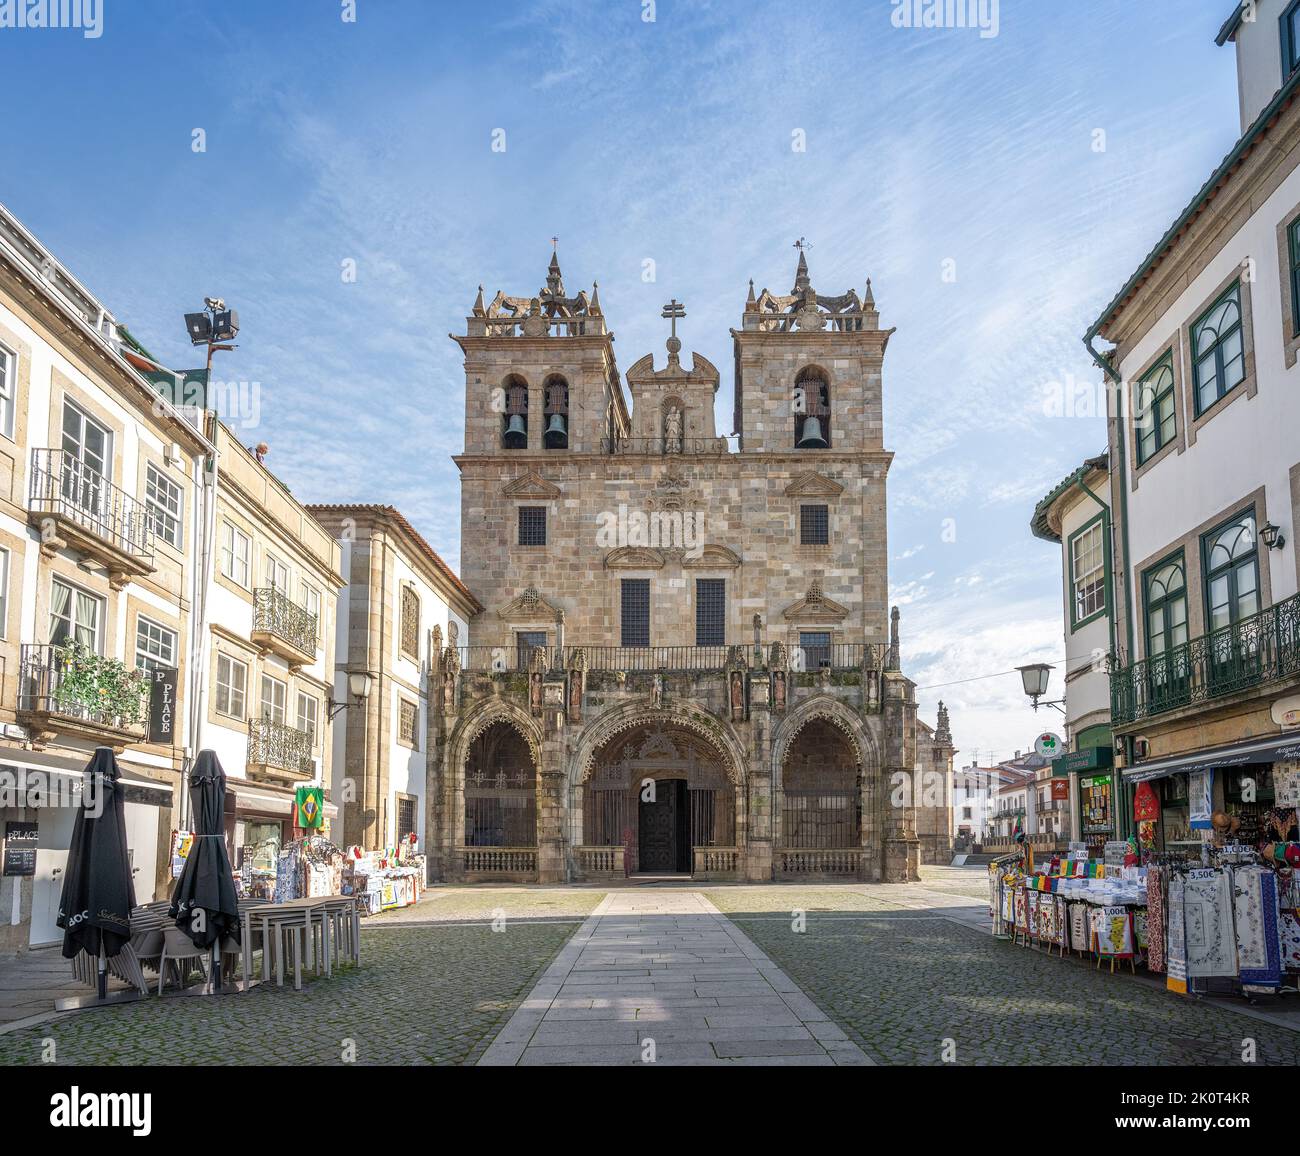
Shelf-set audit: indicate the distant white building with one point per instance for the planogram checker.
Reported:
(973, 796)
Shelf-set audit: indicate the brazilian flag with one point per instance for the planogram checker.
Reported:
(309, 804)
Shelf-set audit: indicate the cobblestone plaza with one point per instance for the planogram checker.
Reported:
(738, 975)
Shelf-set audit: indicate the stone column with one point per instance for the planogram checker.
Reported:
(902, 849)
(758, 826)
(552, 813)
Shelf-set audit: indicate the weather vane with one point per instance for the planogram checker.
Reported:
(802, 244)
(555, 244)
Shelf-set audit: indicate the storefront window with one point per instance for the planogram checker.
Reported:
(1175, 818)
(1097, 812)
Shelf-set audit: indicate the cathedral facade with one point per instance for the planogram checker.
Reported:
(686, 664)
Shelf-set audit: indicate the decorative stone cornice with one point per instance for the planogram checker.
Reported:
(811, 484)
(634, 558)
(815, 607)
(712, 558)
(529, 606)
(530, 485)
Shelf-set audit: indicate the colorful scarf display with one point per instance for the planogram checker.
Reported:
(1079, 927)
(1255, 913)
(1207, 923)
(1155, 920)
(1175, 939)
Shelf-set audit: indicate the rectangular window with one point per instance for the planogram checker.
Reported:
(1293, 252)
(635, 615)
(525, 642)
(815, 647)
(86, 441)
(155, 645)
(1218, 352)
(277, 574)
(311, 601)
(4, 592)
(410, 632)
(232, 679)
(308, 709)
(1156, 420)
(274, 697)
(1088, 572)
(162, 499)
(235, 548)
(532, 525)
(405, 817)
(710, 612)
(74, 616)
(1290, 39)
(408, 721)
(8, 381)
(814, 525)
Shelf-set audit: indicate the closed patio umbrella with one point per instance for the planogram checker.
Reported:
(98, 894)
(204, 904)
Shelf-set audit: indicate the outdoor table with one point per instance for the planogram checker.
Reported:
(295, 917)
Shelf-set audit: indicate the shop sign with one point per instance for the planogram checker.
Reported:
(162, 705)
(1088, 759)
(182, 841)
(1286, 711)
(1060, 789)
(1048, 745)
(20, 848)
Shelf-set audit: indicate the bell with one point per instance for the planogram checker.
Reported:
(516, 435)
(812, 436)
(557, 433)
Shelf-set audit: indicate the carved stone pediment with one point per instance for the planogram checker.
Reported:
(530, 485)
(712, 558)
(811, 484)
(530, 606)
(815, 607)
(634, 558)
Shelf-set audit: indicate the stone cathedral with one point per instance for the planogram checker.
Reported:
(686, 664)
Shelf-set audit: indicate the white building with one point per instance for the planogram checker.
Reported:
(974, 791)
(403, 606)
(1205, 484)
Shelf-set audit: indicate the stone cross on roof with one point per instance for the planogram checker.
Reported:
(673, 312)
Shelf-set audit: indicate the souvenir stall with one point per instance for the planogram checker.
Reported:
(308, 868)
(384, 880)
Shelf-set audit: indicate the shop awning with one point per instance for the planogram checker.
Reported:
(1267, 749)
(23, 778)
(261, 800)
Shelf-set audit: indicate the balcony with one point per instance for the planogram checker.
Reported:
(69, 690)
(1261, 649)
(668, 659)
(73, 506)
(279, 752)
(281, 626)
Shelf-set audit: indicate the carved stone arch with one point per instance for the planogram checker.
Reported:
(487, 714)
(717, 732)
(831, 710)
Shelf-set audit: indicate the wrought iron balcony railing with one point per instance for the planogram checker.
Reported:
(63, 486)
(1261, 649)
(667, 659)
(276, 744)
(278, 617)
(71, 682)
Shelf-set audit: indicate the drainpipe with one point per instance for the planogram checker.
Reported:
(1122, 797)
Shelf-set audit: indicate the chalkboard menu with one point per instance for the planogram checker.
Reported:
(20, 848)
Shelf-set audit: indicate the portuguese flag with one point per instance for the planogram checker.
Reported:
(309, 806)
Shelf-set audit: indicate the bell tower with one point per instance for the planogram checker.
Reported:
(808, 370)
(540, 375)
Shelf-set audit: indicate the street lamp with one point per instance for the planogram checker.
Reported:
(1034, 676)
(1272, 536)
(359, 686)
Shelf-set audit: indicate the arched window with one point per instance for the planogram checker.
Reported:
(556, 391)
(821, 806)
(500, 790)
(514, 422)
(812, 409)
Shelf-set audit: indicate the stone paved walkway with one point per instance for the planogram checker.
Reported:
(662, 977)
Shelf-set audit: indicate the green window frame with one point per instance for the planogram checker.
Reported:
(1290, 38)
(1293, 249)
(1218, 349)
(1089, 572)
(1164, 604)
(1230, 563)
(1157, 421)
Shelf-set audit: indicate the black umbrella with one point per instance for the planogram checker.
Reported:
(204, 904)
(98, 895)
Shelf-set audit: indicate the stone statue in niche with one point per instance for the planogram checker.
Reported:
(673, 431)
(657, 692)
(778, 691)
(737, 695)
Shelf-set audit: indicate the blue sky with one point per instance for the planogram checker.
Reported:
(669, 140)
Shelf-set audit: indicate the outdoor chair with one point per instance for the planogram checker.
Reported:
(179, 950)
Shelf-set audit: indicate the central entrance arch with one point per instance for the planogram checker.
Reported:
(660, 791)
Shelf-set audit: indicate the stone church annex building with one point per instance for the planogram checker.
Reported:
(686, 663)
